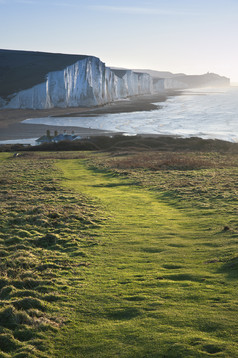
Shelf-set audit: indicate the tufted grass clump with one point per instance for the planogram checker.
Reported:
(29, 302)
(8, 343)
(11, 317)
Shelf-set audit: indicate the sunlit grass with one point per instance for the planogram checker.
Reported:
(159, 286)
(104, 257)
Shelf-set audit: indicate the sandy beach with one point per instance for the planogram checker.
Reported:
(12, 128)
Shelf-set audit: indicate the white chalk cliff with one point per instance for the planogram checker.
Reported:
(88, 82)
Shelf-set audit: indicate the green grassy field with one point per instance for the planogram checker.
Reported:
(119, 255)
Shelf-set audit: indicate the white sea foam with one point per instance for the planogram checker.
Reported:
(205, 113)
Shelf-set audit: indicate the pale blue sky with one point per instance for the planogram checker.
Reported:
(191, 36)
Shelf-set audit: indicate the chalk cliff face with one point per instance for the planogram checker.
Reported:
(88, 82)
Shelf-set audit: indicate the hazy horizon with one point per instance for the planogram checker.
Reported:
(175, 36)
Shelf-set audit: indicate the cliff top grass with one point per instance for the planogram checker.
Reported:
(119, 254)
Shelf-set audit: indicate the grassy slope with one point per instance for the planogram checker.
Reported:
(158, 286)
(156, 278)
(44, 238)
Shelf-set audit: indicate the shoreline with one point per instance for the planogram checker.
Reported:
(12, 128)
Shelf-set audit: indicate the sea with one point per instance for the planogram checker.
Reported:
(208, 113)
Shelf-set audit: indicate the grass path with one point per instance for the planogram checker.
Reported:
(149, 291)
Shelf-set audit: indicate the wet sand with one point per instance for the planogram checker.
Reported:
(11, 127)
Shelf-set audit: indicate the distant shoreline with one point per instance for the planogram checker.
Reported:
(12, 128)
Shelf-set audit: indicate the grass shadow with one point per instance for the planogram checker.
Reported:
(230, 268)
